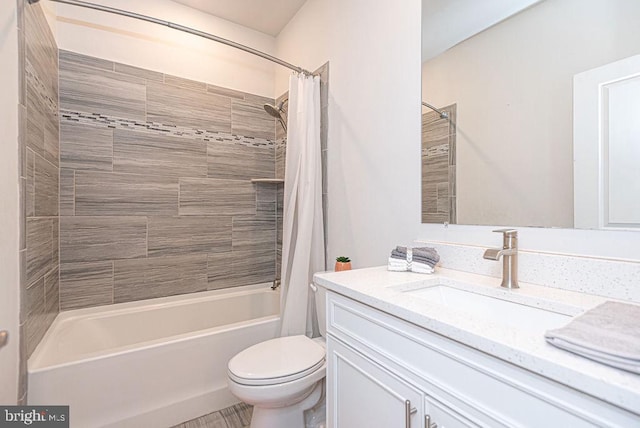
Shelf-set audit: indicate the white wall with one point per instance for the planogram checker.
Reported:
(303, 42)
(374, 127)
(9, 214)
(167, 50)
(373, 50)
(513, 87)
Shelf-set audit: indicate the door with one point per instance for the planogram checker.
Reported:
(364, 394)
(606, 144)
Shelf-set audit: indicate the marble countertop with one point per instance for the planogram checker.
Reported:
(390, 292)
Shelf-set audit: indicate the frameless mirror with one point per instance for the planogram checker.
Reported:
(503, 72)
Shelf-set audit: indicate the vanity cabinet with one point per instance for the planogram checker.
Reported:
(385, 372)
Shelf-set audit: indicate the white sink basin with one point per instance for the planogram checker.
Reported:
(510, 314)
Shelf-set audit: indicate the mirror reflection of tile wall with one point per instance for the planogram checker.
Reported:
(439, 166)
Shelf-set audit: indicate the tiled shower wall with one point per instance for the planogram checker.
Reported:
(39, 162)
(155, 185)
(439, 167)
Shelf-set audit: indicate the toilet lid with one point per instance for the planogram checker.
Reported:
(276, 361)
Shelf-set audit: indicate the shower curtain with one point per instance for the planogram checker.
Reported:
(303, 228)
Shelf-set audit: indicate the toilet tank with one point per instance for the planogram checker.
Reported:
(321, 308)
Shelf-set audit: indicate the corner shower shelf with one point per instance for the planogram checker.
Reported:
(267, 180)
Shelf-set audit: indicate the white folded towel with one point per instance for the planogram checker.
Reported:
(397, 265)
(421, 267)
(608, 333)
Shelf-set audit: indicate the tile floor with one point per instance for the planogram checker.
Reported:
(238, 416)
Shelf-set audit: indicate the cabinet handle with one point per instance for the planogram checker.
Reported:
(428, 423)
(408, 411)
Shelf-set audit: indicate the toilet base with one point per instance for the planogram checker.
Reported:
(288, 416)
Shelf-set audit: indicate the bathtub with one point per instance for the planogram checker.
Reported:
(153, 363)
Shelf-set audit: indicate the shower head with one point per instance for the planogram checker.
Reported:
(273, 111)
(276, 111)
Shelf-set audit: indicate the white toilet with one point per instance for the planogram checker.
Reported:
(281, 377)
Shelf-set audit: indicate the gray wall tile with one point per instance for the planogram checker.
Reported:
(250, 119)
(67, 192)
(247, 267)
(40, 47)
(72, 58)
(185, 107)
(36, 324)
(239, 162)
(158, 277)
(46, 188)
(22, 140)
(252, 233)
(146, 153)
(188, 235)
(226, 92)
(52, 295)
(39, 247)
(86, 147)
(85, 284)
(52, 142)
(92, 90)
(35, 121)
(153, 76)
(23, 213)
(216, 197)
(185, 83)
(106, 194)
(84, 239)
(55, 241)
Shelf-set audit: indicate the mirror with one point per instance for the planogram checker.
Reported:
(503, 72)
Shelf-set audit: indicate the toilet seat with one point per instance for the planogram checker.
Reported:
(275, 361)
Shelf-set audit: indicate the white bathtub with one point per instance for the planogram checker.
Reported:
(153, 363)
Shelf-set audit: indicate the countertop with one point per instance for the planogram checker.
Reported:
(387, 291)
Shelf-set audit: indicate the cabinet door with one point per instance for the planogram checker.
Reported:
(439, 415)
(364, 394)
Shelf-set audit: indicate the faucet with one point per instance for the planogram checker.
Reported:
(509, 254)
(275, 284)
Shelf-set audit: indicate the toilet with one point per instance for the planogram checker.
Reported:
(281, 377)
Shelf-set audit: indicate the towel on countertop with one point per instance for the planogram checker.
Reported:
(608, 333)
(421, 259)
(421, 267)
(427, 255)
(397, 265)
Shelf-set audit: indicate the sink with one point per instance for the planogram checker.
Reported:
(511, 314)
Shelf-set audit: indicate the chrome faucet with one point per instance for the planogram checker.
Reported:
(509, 254)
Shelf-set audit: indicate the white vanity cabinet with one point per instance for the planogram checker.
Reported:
(385, 372)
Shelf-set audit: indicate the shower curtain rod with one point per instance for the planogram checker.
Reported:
(181, 28)
(443, 114)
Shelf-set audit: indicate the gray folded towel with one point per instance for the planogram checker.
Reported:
(608, 333)
(425, 254)
(415, 259)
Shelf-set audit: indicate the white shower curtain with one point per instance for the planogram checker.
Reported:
(303, 229)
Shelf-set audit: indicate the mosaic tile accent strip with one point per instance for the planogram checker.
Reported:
(112, 122)
(39, 88)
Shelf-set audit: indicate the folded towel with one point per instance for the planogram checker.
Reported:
(609, 334)
(421, 268)
(397, 265)
(426, 254)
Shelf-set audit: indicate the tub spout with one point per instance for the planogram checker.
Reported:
(276, 284)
